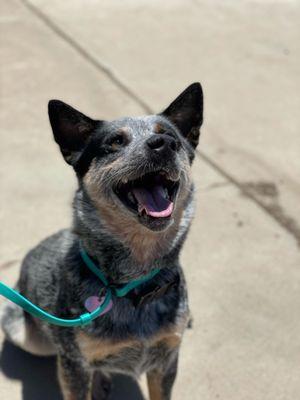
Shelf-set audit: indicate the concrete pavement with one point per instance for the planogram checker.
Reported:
(242, 257)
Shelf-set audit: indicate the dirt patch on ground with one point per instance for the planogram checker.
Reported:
(267, 194)
(262, 188)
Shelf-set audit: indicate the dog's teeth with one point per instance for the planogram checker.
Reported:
(131, 197)
(140, 209)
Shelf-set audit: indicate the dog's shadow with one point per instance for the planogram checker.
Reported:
(39, 381)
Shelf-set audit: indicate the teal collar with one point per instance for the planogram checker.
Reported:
(118, 292)
(83, 319)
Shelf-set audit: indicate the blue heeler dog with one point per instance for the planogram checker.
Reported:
(132, 211)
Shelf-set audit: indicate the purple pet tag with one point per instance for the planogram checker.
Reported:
(93, 302)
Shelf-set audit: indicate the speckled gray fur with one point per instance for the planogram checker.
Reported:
(54, 277)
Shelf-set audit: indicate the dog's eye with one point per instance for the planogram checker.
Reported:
(116, 142)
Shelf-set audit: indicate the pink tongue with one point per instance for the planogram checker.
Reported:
(153, 201)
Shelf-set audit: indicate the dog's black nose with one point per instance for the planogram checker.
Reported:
(161, 143)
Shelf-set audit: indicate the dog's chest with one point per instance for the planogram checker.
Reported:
(131, 356)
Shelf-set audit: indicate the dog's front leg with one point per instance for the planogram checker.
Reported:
(75, 378)
(160, 381)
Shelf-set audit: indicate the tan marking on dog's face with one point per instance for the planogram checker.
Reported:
(124, 129)
(159, 128)
(144, 244)
(94, 349)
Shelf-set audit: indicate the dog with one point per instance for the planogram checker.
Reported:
(131, 215)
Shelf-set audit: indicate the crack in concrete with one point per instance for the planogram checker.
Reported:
(8, 264)
(275, 211)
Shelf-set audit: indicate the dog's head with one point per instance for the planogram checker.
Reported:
(136, 171)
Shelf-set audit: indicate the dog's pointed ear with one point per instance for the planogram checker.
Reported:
(186, 113)
(72, 129)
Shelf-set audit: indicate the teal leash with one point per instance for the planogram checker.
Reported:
(83, 319)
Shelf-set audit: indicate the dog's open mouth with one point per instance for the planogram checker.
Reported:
(151, 195)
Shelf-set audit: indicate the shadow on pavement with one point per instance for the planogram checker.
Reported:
(38, 376)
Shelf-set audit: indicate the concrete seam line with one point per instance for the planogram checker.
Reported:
(86, 55)
(280, 217)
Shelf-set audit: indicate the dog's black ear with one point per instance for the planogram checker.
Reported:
(72, 129)
(186, 112)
